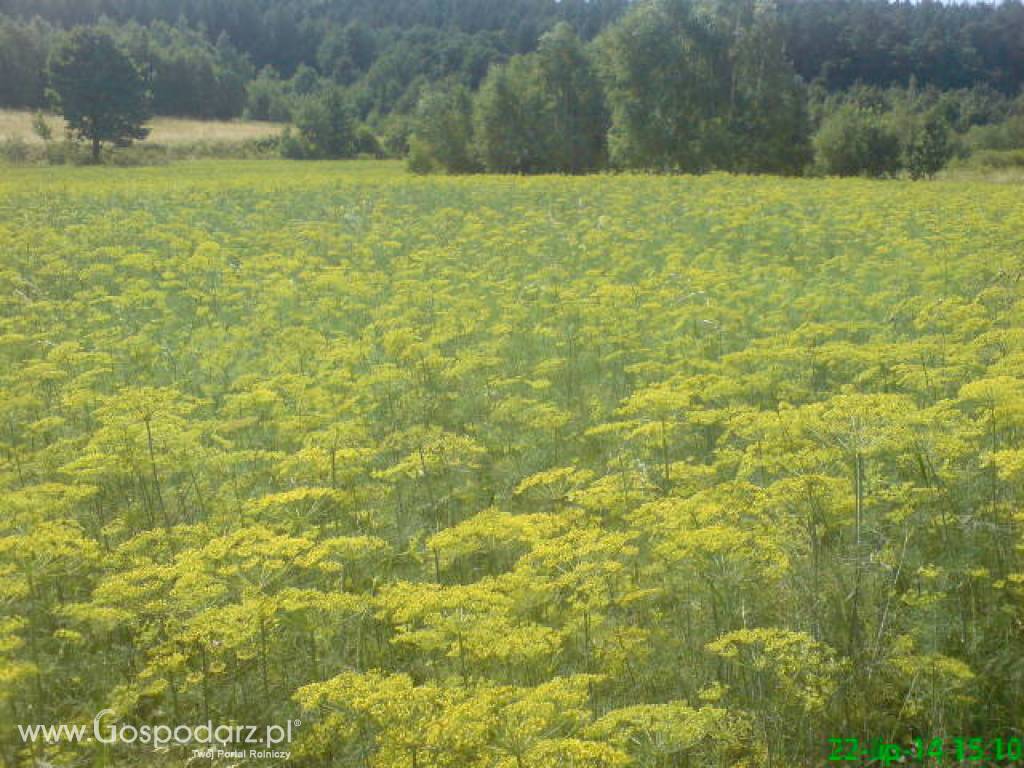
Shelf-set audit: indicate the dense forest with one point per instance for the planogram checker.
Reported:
(860, 86)
(388, 48)
(840, 42)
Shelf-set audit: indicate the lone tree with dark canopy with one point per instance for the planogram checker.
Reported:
(99, 90)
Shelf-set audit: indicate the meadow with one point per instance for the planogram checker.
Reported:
(500, 472)
(17, 124)
(170, 139)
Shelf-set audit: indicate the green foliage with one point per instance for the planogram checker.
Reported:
(929, 148)
(41, 128)
(845, 42)
(664, 89)
(24, 48)
(327, 126)
(267, 98)
(346, 53)
(444, 131)
(703, 87)
(589, 67)
(15, 150)
(578, 117)
(543, 112)
(1006, 135)
(994, 160)
(769, 110)
(512, 123)
(189, 74)
(99, 90)
(420, 158)
(203, 58)
(857, 142)
(367, 144)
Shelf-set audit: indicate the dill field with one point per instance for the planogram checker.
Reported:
(482, 472)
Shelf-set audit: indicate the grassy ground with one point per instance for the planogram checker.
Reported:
(229, 173)
(990, 176)
(996, 166)
(164, 130)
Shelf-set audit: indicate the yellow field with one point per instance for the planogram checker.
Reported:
(165, 130)
(499, 472)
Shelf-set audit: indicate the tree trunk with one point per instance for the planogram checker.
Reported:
(95, 150)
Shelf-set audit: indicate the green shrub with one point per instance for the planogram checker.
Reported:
(15, 149)
(267, 98)
(420, 159)
(996, 160)
(395, 133)
(138, 155)
(293, 146)
(41, 128)
(854, 141)
(327, 126)
(929, 147)
(1001, 136)
(444, 128)
(367, 143)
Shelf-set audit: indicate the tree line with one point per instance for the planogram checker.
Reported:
(672, 87)
(876, 42)
(842, 86)
(679, 86)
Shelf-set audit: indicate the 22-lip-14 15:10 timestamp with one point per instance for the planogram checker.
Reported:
(927, 750)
